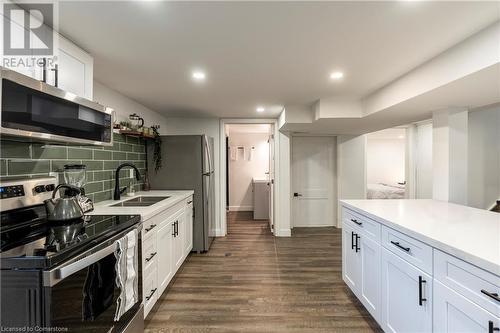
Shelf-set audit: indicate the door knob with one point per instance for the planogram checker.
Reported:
(297, 194)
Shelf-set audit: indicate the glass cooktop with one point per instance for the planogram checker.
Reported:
(28, 240)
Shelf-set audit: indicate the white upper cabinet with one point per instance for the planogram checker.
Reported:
(71, 70)
(75, 69)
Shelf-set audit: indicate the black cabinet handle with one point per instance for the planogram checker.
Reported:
(190, 201)
(297, 194)
(492, 295)
(356, 221)
(151, 256)
(352, 240)
(407, 249)
(492, 328)
(150, 228)
(44, 72)
(421, 281)
(151, 294)
(357, 243)
(56, 74)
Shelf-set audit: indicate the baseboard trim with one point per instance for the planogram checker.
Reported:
(240, 208)
(315, 226)
(283, 233)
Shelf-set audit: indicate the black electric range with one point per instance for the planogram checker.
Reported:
(64, 276)
(29, 241)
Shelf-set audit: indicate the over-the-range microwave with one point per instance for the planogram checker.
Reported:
(32, 110)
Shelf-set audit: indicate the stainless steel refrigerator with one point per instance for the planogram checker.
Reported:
(188, 164)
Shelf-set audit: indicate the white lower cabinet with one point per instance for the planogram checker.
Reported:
(179, 236)
(453, 313)
(370, 275)
(188, 225)
(406, 296)
(361, 267)
(409, 286)
(351, 261)
(166, 242)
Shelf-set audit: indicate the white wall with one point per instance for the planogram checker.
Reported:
(385, 160)
(243, 169)
(423, 161)
(449, 155)
(484, 157)
(125, 106)
(351, 168)
(195, 126)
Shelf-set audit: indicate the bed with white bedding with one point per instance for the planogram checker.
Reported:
(385, 191)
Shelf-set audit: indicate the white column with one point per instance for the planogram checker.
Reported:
(449, 151)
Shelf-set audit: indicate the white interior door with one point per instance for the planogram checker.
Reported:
(313, 174)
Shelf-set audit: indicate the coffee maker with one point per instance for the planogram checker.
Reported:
(75, 175)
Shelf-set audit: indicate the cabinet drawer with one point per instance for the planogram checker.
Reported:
(355, 220)
(474, 283)
(410, 249)
(149, 250)
(150, 290)
(154, 222)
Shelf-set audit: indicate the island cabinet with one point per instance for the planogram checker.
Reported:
(167, 240)
(408, 285)
(361, 260)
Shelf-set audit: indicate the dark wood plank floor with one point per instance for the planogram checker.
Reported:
(251, 281)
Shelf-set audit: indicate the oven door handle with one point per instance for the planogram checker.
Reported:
(56, 275)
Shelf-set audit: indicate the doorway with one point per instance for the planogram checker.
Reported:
(314, 181)
(249, 177)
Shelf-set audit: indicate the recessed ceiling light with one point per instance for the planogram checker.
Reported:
(260, 109)
(199, 76)
(336, 75)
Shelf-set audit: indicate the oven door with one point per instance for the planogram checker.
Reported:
(82, 294)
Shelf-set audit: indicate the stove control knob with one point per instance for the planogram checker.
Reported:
(39, 189)
(50, 187)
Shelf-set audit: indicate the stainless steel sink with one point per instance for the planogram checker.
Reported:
(141, 201)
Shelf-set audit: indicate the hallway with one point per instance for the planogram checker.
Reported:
(253, 282)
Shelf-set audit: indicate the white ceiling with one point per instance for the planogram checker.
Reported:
(261, 53)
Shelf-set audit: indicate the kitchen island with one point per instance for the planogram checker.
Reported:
(167, 235)
(423, 265)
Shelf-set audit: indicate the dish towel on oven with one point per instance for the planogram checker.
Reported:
(126, 273)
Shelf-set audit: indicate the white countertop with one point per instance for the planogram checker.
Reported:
(102, 208)
(470, 234)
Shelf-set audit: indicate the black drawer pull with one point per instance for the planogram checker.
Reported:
(150, 228)
(407, 249)
(356, 221)
(151, 294)
(492, 295)
(151, 256)
(190, 202)
(421, 281)
(492, 328)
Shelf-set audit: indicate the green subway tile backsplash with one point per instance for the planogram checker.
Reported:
(80, 153)
(47, 152)
(12, 149)
(24, 159)
(103, 155)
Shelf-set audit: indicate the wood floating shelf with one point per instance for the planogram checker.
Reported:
(134, 133)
